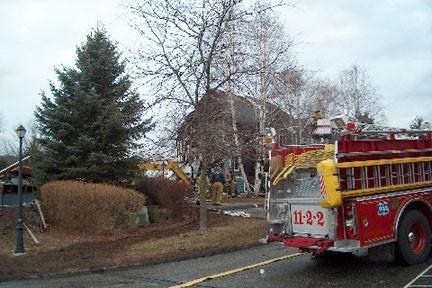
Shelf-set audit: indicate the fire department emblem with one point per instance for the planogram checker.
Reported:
(383, 209)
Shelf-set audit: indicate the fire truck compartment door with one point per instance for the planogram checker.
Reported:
(310, 220)
(376, 219)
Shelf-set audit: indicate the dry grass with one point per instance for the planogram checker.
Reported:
(90, 207)
(239, 234)
(52, 239)
(66, 251)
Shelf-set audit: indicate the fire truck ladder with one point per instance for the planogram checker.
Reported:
(360, 178)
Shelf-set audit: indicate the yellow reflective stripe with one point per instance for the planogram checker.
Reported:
(379, 190)
(383, 162)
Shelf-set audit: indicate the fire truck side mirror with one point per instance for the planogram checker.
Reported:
(329, 184)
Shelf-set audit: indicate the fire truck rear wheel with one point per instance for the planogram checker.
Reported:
(414, 238)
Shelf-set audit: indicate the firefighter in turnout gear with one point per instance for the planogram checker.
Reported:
(218, 181)
(231, 184)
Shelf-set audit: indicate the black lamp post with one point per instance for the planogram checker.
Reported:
(20, 131)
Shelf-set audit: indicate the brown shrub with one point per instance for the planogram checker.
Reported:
(169, 194)
(90, 207)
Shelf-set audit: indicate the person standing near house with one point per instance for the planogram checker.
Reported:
(218, 181)
(231, 191)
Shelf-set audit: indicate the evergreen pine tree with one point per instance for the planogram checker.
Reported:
(92, 123)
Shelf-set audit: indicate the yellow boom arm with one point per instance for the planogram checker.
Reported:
(171, 165)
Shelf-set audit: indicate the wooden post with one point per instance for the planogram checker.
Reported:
(31, 234)
(41, 214)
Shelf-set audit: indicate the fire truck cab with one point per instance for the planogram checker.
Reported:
(370, 189)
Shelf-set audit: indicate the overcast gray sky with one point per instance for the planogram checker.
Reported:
(391, 39)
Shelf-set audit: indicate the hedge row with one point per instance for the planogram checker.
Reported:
(90, 207)
(166, 193)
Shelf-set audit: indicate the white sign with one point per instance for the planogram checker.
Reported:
(310, 219)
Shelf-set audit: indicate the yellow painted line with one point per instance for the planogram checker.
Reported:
(237, 270)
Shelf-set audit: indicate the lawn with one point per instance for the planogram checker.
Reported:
(62, 250)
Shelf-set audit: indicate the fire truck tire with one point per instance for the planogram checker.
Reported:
(414, 238)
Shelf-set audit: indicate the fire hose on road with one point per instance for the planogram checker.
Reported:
(237, 270)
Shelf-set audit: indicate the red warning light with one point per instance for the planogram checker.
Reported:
(351, 126)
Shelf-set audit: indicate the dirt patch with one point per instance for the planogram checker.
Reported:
(62, 250)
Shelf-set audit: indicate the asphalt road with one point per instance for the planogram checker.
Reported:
(303, 271)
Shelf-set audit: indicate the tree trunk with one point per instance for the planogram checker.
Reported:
(231, 63)
(263, 98)
(260, 148)
(237, 142)
(243, 173)
(202, 196)
(257, 183)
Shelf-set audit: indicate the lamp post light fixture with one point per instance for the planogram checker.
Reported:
(20, 131)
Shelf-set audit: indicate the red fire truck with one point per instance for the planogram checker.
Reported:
(370, 189)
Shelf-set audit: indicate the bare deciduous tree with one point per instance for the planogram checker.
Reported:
(183, 41)
(353, 95)
(324, 96)
(295, 97)
(260, 44)
(358, 97)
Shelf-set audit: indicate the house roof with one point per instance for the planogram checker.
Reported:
(14, 166)
(26, 170)
(246, 108)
